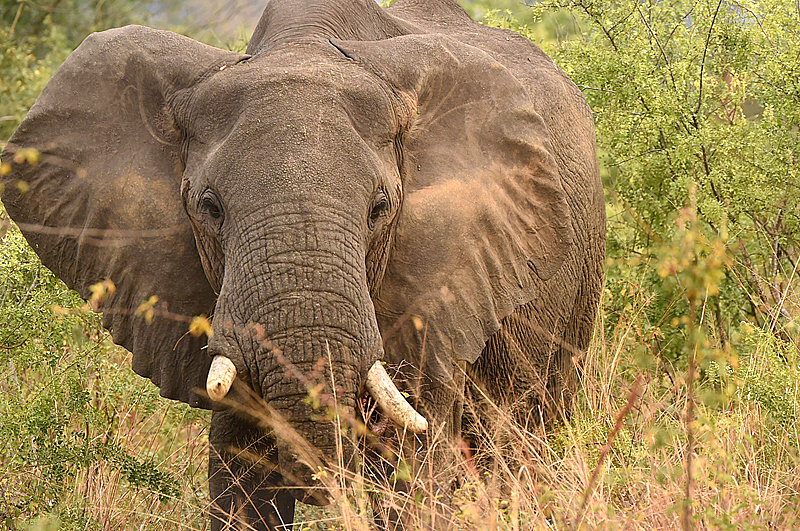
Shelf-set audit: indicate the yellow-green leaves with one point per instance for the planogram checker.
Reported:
(201, 325)
(697, 110)
(147, 310)
(100, 292)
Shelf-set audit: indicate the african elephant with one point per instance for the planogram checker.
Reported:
(362, 185)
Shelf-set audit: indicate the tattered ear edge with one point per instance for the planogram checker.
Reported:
(103, 202)
(484, 221)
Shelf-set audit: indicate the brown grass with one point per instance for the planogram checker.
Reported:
(620, 462)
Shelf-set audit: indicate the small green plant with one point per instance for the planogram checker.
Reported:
(66, 406)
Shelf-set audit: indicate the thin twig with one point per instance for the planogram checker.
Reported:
(586, 87)
(747, 262)
(16, 19)
(633, 395)
(660, 48)
(758, 20)
(654, 150)
(703, 62)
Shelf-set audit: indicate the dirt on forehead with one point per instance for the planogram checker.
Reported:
(303, 85)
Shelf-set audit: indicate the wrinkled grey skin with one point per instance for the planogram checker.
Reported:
(364, 184)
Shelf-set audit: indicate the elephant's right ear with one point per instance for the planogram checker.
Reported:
(485, 220)
(93, 179)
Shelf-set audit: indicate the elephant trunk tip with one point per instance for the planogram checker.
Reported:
(220, 378)
(392, 402)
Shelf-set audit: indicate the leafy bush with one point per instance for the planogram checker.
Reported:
(72, 410)
(697, 105)
(25, 74)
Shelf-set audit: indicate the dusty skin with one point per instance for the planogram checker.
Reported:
(397, 186)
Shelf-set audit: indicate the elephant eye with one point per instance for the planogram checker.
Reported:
(379, 208)
(209, 204)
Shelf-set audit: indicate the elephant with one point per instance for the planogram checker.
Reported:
(364, 188)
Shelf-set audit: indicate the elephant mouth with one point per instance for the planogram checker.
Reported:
(372, 416)
(378, 383)
(382, 406)
(380, 436)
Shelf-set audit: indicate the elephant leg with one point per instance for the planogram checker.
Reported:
(244, 483)
(522, 383)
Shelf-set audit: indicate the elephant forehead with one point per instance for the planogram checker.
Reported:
(305, 87)
(276, 153)
(296, 128)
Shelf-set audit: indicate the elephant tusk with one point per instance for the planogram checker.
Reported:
(388, 397)
(220, 377)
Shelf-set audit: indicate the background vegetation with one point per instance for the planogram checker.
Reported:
(690, 392)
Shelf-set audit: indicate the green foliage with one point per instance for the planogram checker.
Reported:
(479, 9)
(697, 104)
(537, 25)
(769, 375)
(76, 18)
(698, 134)
(24, 74)
(64, 395)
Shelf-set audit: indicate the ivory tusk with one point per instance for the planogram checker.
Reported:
(388, 397)
(220, 377)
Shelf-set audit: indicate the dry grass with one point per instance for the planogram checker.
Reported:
(620, 462)
(632, 456)
(166, 438)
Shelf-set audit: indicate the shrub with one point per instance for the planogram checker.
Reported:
(696, 106)
(74, 415)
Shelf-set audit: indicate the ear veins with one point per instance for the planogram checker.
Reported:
(184, 149)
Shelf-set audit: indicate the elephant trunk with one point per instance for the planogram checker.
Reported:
(295, 321)
(310, 374)
(295, 317)
(317, 400)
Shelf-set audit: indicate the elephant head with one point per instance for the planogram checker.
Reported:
(352, 190)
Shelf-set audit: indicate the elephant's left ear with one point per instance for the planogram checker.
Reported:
(484, 219)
